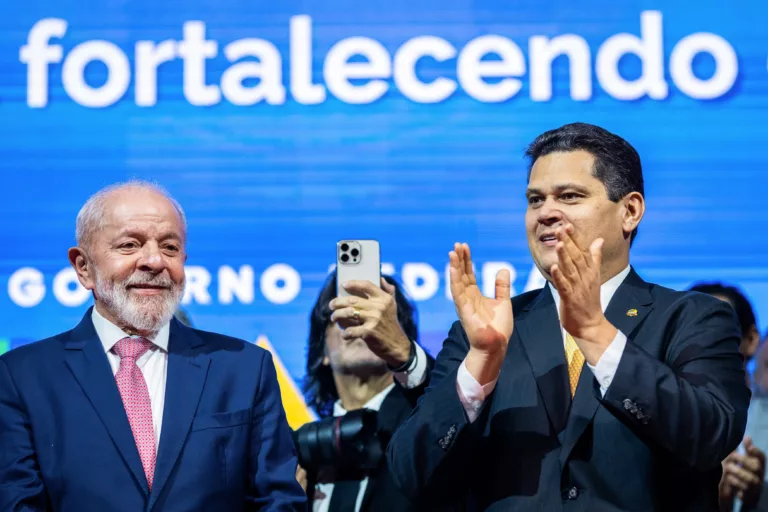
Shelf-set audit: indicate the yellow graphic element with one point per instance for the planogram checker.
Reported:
(632, 312)
(293, 402)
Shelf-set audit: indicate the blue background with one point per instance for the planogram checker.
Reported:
(265, 184)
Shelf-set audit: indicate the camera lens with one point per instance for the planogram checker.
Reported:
(344, 247)
(345, 258)
(355, 252)
(349, 442)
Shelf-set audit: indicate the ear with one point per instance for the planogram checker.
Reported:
(750, 342)
(634, 209)
(86, 274)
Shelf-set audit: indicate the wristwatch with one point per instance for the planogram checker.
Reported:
(408, 363)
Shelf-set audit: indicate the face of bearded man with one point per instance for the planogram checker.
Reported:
(142, 312)
(134, 260)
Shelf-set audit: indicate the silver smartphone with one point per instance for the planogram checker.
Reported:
(357, 260)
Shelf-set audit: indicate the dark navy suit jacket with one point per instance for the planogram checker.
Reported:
(676, 408)
(66, 445)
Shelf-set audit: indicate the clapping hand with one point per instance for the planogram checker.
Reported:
(488, 322)
(577, 278)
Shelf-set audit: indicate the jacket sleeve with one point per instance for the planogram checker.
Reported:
(431, 450)
(272, 474)
(693, 404)
(21, 486)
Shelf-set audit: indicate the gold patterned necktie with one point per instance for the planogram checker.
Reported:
(575, 362)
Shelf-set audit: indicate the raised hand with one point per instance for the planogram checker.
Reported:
(488, 322)
(577, 278)
(370, 314)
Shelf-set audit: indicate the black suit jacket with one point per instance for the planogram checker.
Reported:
(382, 494)
(676, 408)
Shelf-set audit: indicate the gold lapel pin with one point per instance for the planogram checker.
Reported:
(631, 312)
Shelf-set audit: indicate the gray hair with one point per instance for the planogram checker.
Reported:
(91, 217)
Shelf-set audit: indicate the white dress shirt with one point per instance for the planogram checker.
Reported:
(472, 395)
(153, 364)
(326, 489)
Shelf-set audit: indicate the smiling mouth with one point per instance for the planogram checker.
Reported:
(549, 240)
(147, 288)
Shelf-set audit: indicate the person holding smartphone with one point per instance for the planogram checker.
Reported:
(363, 353)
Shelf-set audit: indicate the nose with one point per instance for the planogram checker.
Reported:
(151, 259)
(549, 213)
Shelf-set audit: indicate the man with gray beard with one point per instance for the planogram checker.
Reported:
(132, 410)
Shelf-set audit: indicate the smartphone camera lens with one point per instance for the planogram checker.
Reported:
(355, 252)
(345, 258)
(344, 247)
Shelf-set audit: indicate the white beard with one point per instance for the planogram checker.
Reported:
(146, 314)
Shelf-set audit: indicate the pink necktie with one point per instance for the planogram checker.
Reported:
(135, 395)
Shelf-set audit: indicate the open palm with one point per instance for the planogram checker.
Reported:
(488, 322)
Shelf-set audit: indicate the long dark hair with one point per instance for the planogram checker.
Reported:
(319, 388)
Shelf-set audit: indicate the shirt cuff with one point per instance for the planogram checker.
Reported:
(415, 375)
(471, 394)
(606, 367)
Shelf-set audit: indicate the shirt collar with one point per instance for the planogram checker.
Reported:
(109, 333)
(607, 290)
(374, 403)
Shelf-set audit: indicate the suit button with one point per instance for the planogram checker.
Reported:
(628, 404)
(573, 493)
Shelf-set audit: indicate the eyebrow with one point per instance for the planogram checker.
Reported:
(559, 189)
(130, 232)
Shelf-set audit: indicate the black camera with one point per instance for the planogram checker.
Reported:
(344, 442)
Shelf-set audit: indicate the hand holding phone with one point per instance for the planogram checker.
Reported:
(366, 309)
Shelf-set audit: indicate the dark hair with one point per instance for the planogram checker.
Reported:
(617, 164)
(736, 298)
(319, 388)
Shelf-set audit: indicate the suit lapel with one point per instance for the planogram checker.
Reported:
(88, 362)
(187, 371)
(542, 339)
(582, 412)
(630, 305)
(626, 311)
